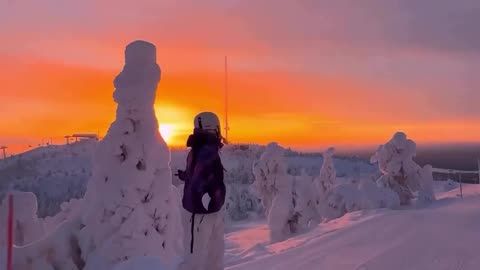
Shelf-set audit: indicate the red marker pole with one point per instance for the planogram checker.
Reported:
(10, 233)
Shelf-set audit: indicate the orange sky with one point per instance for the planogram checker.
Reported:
(308, 90)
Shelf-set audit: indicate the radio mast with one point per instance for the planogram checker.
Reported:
(227, 127)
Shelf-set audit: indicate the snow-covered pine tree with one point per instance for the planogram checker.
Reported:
(288, 200)
(269, 171)
(328, 174)
(400, 172)
(133, 209)
(326, 179)
(306, 201)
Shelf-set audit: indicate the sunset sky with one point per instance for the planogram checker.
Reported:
(305, 73)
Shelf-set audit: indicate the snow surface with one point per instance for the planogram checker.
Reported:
(442, 236)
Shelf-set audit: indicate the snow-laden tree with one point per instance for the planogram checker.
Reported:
(426, 193)
(326, 179)
(399, 170)
(349, 197)
(282, 218)
(306, 201)
(288, 200)
(328, 174)
(131, 208)
(27, 227)
(293, 208)
(336, 199)
(270, 171)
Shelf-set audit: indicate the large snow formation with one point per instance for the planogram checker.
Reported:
(131, 208)
(400, 172)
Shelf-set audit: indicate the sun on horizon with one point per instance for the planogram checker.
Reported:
(167, 131)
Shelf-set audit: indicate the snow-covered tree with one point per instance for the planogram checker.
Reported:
(399, 171)
(293, 208)
(270, 171)
(288, 200)
(349, 197)
(27, 227)
(328, 174)
(282, 217)
(426, 193)
(337, 199)
(131, 208)
(326, 179)
(306, 200)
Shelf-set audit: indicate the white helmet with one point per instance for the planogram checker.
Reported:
(207, 121)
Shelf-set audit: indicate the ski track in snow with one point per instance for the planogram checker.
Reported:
(443, 236)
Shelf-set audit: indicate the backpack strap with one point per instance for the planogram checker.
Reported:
(192, 232)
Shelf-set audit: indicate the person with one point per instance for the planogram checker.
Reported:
(203, 196)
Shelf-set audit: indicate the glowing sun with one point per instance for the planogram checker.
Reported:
(167, 131)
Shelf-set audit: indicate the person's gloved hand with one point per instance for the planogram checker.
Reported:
(181, 175)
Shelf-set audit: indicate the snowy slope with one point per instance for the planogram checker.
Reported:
(443, 236)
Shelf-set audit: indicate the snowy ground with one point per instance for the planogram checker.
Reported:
(442, 236)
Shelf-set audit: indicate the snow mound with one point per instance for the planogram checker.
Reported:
(143, 263)
(27, 227)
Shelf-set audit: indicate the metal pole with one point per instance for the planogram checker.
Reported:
(478, 161)
(4, 148)
(10, 233)
(226, 100)
(461, 186)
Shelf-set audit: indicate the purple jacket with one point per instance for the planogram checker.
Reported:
(204, 174)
